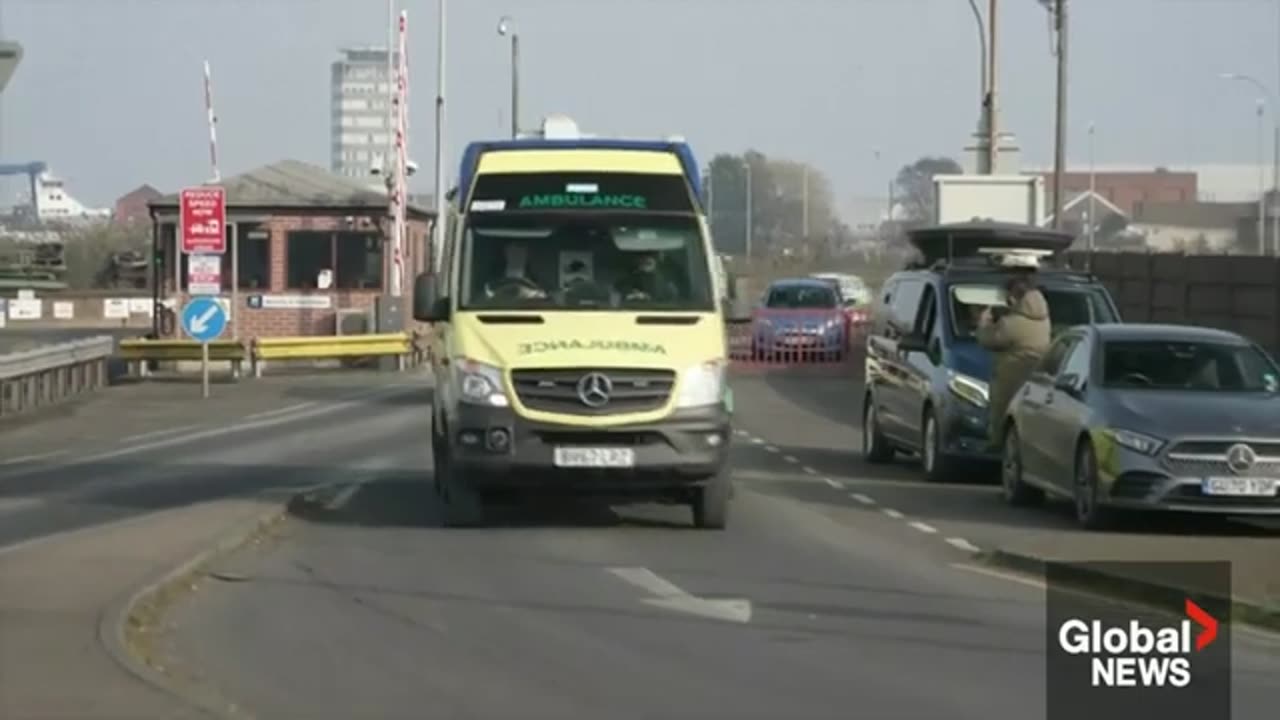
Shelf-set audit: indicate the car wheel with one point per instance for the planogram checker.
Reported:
(1015, 490)
(875, 446)
(1090, 514)
(938, 466)
(710, 503)
(437, 460)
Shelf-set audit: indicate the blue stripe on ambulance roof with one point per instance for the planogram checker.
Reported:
(471, 156)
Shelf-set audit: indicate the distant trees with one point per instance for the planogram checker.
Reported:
(787, 198)
(90, 251)
(913, 187)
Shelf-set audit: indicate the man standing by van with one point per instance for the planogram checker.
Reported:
(1017, 336)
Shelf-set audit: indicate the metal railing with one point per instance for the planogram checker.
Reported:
(47, 375)
(406, 347)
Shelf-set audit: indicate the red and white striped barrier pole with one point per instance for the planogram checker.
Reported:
(402, 161)
(213, 122)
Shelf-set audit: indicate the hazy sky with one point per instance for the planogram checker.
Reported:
(110, 91)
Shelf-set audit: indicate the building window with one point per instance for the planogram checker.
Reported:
(309, 253)
(254, 256)
(359, 261)
(354, 258)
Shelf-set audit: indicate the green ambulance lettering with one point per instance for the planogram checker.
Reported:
(575, 200)
(537, 347)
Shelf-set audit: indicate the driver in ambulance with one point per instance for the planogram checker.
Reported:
(515, 281)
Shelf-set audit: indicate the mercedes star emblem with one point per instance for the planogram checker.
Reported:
(594, 389)
(1240, 458)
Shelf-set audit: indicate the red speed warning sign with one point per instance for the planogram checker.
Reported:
(203, 212)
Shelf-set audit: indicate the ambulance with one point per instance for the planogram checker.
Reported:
(578, 343)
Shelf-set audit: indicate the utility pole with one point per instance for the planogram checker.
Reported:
(1262, 187)
(747, 164)
(984, 158)
(1060, 129)
(711, 203)
(515, 85)
(804, 204)
(506, 26)
(1093, 222)
(442, 211)
(992, 108)
(1275, 187)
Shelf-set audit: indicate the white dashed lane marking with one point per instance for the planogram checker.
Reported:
(955, 542)
(962, 544)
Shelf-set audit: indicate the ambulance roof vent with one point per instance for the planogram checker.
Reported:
(558, 126)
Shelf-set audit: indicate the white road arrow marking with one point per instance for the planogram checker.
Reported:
(201, 322)
(670, 597)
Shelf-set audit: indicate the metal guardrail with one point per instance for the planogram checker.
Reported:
(46, 375)
(406, 347)
(140, 353)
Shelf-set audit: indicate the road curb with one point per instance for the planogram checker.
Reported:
(1127, 588)
(114, 621)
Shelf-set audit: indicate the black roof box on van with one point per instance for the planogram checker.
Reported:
(969, 239)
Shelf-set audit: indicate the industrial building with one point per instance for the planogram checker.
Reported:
(360, 127)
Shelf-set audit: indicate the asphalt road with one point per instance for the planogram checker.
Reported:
(129, 452)
(813, 604)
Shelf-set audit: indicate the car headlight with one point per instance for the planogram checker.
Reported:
(971, 390)
(479, 383)
(702, 385)
(1137, 442)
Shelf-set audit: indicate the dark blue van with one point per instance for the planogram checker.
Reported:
(927, 378)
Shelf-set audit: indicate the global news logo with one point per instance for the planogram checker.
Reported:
(1136, 655)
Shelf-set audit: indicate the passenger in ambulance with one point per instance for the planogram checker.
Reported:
(646, 282)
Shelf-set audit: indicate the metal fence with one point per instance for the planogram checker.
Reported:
(1232, 292)
(50, 374)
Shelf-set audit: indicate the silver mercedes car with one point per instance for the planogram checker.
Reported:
(1151, 417)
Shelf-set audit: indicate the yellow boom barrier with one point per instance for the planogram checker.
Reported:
(141, 351)
(330, 347)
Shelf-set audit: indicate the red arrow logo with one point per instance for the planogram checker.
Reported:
(1209, 633)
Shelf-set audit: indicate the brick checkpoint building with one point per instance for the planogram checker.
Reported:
(294, 221)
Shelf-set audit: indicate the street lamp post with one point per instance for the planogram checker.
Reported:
(442, 213)
(506, 26)
(1262, 190)
(1060, 122)
(987, 159)
(1275, 162)
(746, 164)
(1092, 188)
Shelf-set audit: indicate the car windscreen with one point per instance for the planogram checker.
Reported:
(584, 261)
(1068, 306)
(1183, 365)
(795, 297)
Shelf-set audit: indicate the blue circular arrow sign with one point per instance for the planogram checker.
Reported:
(203, 319)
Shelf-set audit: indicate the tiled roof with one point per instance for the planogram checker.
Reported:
(296, 185)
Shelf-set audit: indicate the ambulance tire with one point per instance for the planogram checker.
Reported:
(711, 502)
(460, 504)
